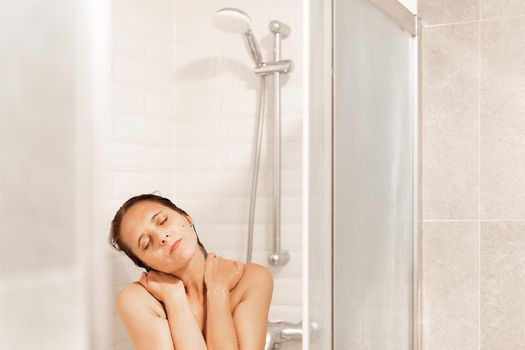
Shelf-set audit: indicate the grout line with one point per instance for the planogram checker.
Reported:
(473, 220)
(499, 18)
(448, 24)
(472, 21)
(448, 220)
(479, 177)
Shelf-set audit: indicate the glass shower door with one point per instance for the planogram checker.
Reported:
(373, 183)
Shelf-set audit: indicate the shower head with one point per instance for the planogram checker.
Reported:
(233, 20)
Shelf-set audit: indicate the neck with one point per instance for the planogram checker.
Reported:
(192, 275)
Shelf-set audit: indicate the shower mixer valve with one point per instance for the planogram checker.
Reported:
(282, 332)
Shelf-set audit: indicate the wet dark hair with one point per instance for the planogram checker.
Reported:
(115, 237)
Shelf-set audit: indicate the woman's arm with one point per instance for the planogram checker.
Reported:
(184, 329)
(246, 329)
(251, 314)
(185, 332)
(150, 331)
(220, 330)
(146, 328)
(220, 277)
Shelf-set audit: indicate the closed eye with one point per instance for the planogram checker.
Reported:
(163, 221)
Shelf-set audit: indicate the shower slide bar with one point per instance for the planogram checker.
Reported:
(233, 20)
(275, 68)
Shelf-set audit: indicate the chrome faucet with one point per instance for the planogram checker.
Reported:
(280, 332)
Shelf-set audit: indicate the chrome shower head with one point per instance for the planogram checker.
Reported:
(233, 20)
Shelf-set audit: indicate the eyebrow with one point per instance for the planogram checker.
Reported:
(143, 234)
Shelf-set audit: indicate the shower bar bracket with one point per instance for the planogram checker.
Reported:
(283, 67)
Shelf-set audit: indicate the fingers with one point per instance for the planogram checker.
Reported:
(236, 263)
(212, 256)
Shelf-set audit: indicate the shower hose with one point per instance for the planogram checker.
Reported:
(257, 156)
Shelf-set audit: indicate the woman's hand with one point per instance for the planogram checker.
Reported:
(222, 273)
(160, 284)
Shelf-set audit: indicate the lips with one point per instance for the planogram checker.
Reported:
(175, 246)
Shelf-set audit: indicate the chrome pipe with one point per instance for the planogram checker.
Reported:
(280, 332)
(277, 257)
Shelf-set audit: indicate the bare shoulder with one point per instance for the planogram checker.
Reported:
(256, 277)
(134, 295)
(254, 271)
(141, 314)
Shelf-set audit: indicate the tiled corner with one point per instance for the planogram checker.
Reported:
(448, 11)
(450, 285)
(450, 125)
(502, 118)
(502, 285)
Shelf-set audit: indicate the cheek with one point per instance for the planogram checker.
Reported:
(154, 261)
(145, 258)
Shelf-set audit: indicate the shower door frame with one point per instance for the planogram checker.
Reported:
(318, 104)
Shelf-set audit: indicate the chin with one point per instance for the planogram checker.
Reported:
(183, 255)
(189, 250)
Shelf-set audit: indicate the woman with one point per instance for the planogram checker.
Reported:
(188, 299)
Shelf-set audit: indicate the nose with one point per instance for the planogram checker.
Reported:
(164, 240)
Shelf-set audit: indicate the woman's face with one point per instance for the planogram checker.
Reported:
(150, 229)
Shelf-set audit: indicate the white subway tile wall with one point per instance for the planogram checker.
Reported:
(183, 123)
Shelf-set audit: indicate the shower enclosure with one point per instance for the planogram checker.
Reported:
(103, 100)
(361, 176)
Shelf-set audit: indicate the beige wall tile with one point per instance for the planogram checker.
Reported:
(450, 285)
(501, 8)
(450, 99)
(448, 11)
(502, 285)
(502, 118)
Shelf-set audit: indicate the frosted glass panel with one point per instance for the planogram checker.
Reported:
(37, 135)
(373, 180)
